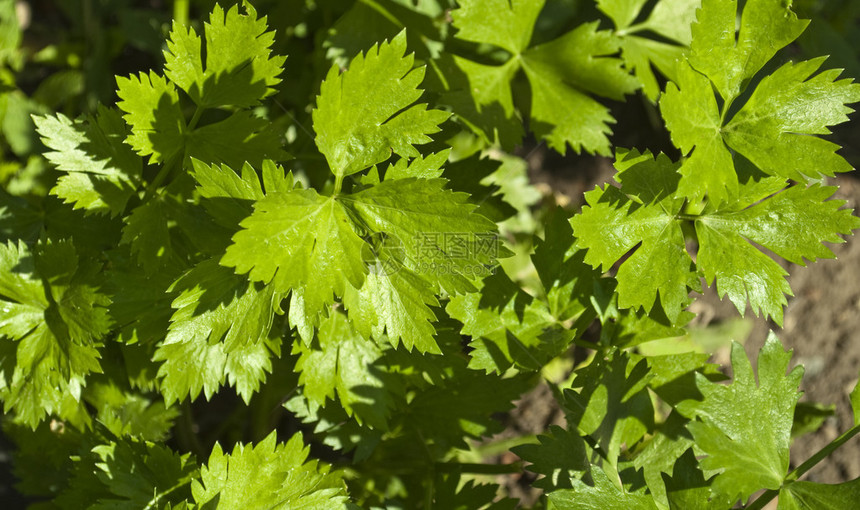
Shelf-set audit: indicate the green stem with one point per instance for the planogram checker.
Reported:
(632, 29)
(181, 9)
(497, 447)
(160, 177)
(195, 118)
(802, 469)
(338, 184)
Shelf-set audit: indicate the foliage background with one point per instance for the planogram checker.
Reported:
(70, 50)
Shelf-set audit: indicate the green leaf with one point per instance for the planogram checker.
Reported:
(126, 413)
(809, 417)
(766, 27)
(147, 231)
(663, 451)
(560, 73)
(810, 495)
(102, 172)
(126, 473)
(393, 300)
(239, 69)
(693, 119)
(151, 106)
(443, 239)
(643, 55)
(341, 361)
(621, 12)
(749, 448)
(772, 129)
(603, 494)
(481, 21)
(561, 457)
(508, 327)
(644, 212)
(355, 130)
(241, 137)
(670, 19)
(481, 96)
(228, 197)
(268, 475)
(450, 491)
(612, 404)
(424, 167)
(56, 317)
(688, 489)
(462, 407)
(219, 332)
(302, 241)
(567, 280)
(792, 224)
(611, 225)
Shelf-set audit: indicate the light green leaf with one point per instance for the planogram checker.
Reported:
(672, 19)
(126, 473)
(424, 167)
(792, 224)
(442, 238)
(508, 327)
(268, 475)
(560, 73)
(506, 24)
(300, 241)
(219, 332)
(642, 55)
(603, 494)
(611, 225)
(729, 61)
(151, 106)
(772, 129)
(102, 172)
(621, 12)
(610, 402)
(239, 69)
(229, 198)
(394, 303)
(344, 362)
(747, 446)
(693, 119)
(354, 130)
(56, 317)
(819, 496)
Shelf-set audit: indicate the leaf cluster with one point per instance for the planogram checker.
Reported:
(314, 212)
